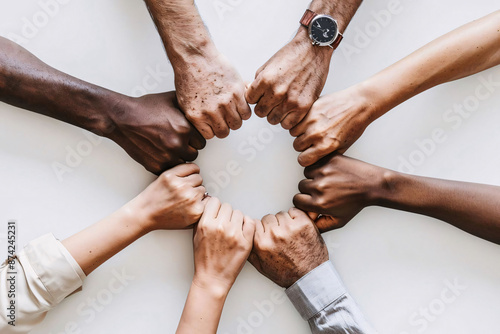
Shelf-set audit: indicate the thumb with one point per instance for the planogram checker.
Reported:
(195, 228)
(249, 96)
(255, 261)
(313, 215)
(249, 228)
(327, 223)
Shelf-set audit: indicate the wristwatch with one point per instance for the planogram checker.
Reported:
(323, 29)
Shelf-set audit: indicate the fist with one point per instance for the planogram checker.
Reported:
(222, 242)
(176, 199)
(155, 133)
(287, 246)
(288, 84)
(339, 187)
(212, 94)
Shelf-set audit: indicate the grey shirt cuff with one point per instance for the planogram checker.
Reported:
(316, 290)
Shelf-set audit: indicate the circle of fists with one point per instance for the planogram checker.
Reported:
(210, 100)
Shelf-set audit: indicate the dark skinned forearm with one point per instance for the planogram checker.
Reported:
(474, 208)
(27, 82)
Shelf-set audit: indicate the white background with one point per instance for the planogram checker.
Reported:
(395, 264)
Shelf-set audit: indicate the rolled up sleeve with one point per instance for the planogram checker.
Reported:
(45, 274)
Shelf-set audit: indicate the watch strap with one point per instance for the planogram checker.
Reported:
(337, 41)
(307, 17)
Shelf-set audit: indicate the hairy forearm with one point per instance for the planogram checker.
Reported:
(181, 29)
(469, 49)
(28, 83)
(474, 208)
(341, 10)
(203, 309)
(98, 243)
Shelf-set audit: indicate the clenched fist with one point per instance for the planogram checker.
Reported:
(212, 94)
(176, 200)
(287, 85)
(154, 132)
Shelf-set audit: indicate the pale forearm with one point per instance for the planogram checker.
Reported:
(98, 243)
(28, 83)
(202, 311)
(474, 208)
(469, 49)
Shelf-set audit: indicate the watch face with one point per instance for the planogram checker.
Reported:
(323, 29)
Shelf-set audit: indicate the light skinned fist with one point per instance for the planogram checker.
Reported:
(175, 200)
(287, 246)
(222, 241)
(287, 85)
(333, 124)
(212, 94)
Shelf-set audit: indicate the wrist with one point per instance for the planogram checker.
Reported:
(303, 42)
(389, 190)
(183, 54)
(128, 221)
(337, 11)
(211, 286)
(112, 112)
(136, 213)
(374, 96)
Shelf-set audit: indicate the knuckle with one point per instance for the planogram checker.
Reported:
(280, 91)
(203, 229)
(266, 78)
(167, 177)
(324, 145)
(321, 186)
(321, 202)
(174, 143)
(303, 104)
(264, 245)
(226, 100)
(292, 103)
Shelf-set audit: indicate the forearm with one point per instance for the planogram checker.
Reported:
(203, 309)
(341, 10)
(28, 83)
(181, 29)
(96, 244)
(474, 208)
(469, 49)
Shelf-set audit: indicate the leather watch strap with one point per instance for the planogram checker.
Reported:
(337, 41)
(307, 17)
